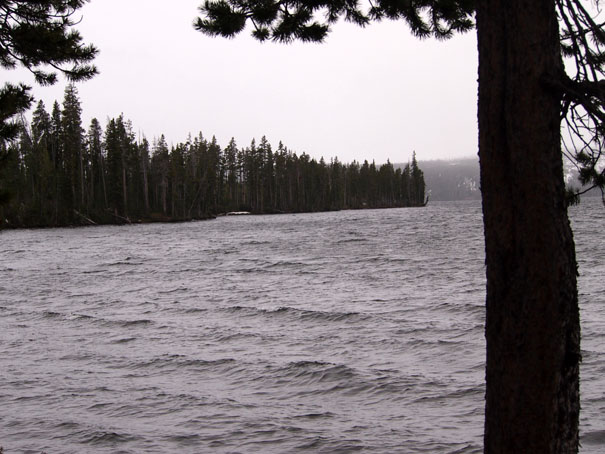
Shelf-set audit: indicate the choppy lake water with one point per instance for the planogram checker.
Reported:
(355, 331)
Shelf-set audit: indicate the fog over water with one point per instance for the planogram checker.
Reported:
(353, 331)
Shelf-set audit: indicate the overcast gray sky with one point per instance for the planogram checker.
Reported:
(372, 93)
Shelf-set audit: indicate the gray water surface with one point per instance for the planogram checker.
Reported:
(354, 331)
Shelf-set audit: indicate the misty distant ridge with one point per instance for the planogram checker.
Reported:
(458, 179)
(452, 179)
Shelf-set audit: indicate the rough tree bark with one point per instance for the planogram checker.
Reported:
(532, 327)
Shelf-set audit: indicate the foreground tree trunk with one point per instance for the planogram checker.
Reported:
(532, 327)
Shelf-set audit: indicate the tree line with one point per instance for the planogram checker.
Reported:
(57, 173)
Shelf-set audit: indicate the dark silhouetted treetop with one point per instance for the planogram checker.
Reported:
(289, 20)
(39, 36)
(14, 100)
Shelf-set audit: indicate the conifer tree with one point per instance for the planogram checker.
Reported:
(199, 152)
(386, 177)
(215, 176)
(10, 180)
(114, 168)
(406, 183)
(231, 172)
(250, 177)
(29, 176)
(192, 178)
(97, 185)
(74, 159)
(337, 185)
(145, 165)
(56, 132)
(177, 181)
(160, 164)
(417, 182)
(39, 35)
(132, 167)
(56, 155)
(281, 178)
(41, 167)
(267, 175)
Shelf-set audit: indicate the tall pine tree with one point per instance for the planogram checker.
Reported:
(74, 159)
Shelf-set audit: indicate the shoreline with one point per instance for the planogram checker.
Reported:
(162, 219)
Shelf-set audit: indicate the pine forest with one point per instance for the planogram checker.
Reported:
(57, 173)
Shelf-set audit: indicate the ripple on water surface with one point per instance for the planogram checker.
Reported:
(309, 333)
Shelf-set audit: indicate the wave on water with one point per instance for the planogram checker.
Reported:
(104, 438)
(173, 290)
(302, 314)
(314, 372)
(127, 323)
(68, 318)
(124, 340)
(352, 240)
(178, 362)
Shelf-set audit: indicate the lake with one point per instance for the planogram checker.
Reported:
(340, 332)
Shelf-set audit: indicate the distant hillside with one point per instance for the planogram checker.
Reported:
(456, 179)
